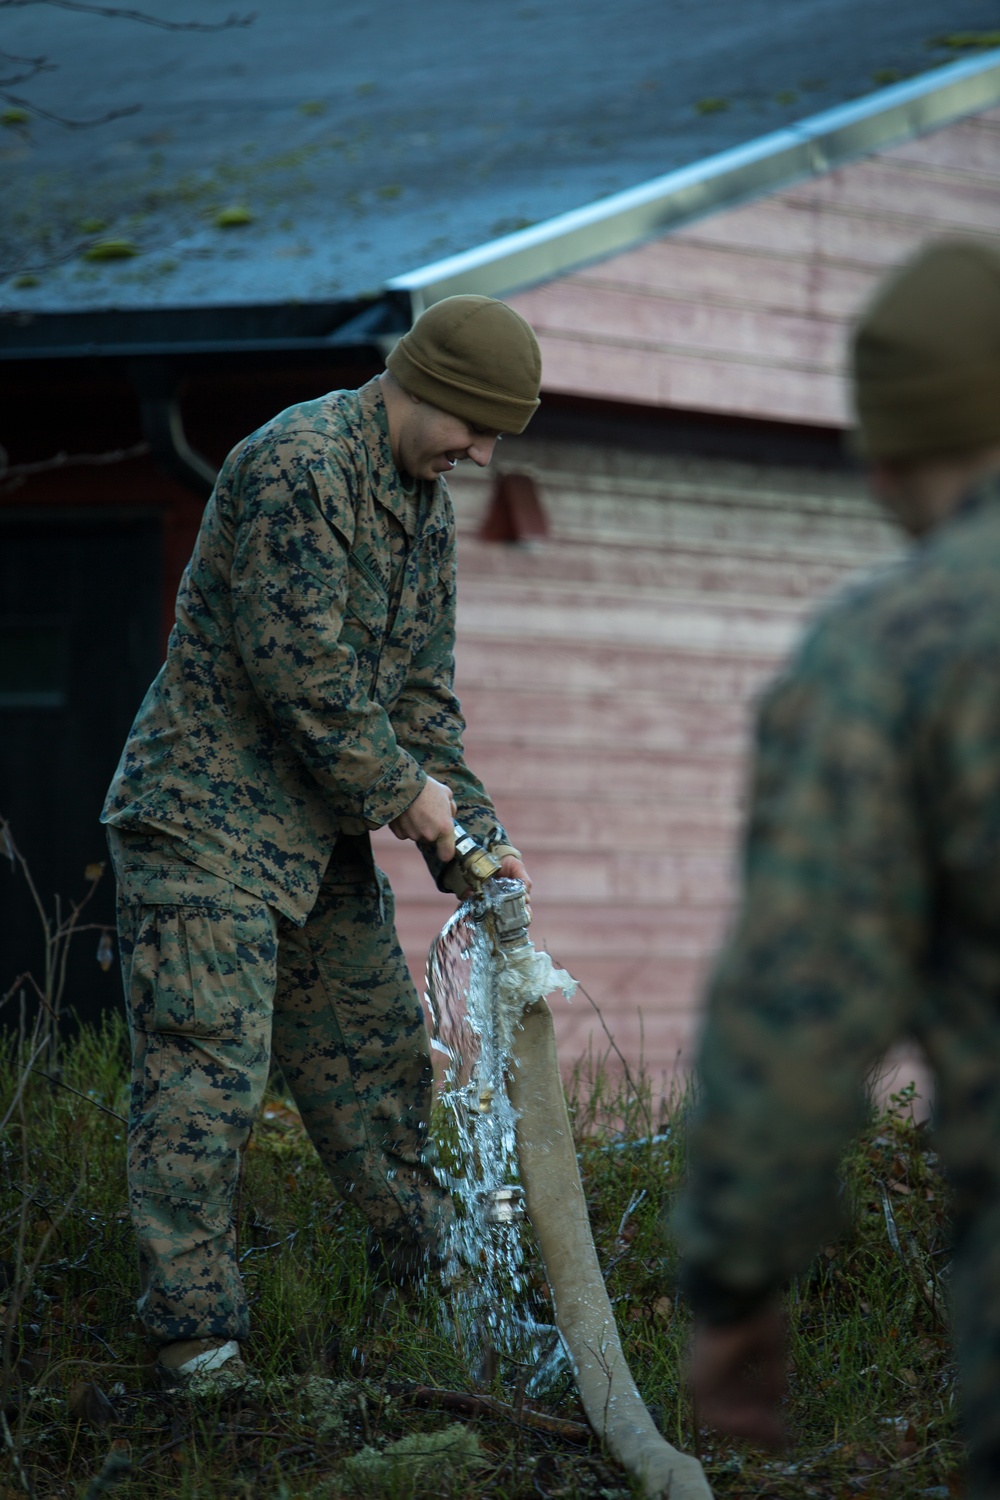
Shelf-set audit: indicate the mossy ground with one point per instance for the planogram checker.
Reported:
(871, 1408)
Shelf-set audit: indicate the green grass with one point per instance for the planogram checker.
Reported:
(871, 1402)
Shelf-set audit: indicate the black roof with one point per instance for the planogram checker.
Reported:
(309, 156)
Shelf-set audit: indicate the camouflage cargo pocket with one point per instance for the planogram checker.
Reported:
(200, 951)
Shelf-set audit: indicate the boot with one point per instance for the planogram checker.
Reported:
(209, 1366)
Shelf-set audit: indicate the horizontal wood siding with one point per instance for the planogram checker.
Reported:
(608, 676)
(747, 312)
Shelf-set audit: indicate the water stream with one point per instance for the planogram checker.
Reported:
(484, 978)
(481, 971)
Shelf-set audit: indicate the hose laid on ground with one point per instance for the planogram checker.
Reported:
(557, 1209)
(524, 1039)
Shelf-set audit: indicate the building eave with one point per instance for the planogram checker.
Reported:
(288, 330)
(809, 148)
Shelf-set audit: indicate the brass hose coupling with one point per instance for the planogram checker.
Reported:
(511, 916)
(476, 864)
(509, 913)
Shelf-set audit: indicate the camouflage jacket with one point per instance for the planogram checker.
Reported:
(871, 909)
(307, 688)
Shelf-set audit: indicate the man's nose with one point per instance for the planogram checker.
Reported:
(480, 450)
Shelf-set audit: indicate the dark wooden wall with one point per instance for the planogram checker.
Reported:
(91, 553)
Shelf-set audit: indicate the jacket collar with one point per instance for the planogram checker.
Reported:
(414, 513)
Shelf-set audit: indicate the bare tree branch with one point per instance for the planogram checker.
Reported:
(45, 114)
(12, 476)
(231, 21)
(36, 65)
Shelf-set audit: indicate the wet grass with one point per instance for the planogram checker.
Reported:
(871, 1404)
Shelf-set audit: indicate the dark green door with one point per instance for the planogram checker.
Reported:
(79, 645)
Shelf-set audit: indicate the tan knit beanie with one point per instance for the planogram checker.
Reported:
(927, 356)
(475, 358)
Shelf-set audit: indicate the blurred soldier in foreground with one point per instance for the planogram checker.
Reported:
(306, 699)
(871, 903)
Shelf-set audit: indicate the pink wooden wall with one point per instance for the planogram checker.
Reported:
(746, 312)
(607, 676)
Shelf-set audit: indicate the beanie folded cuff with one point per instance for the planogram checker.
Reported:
(499, 411)
(916, 417)
(495, 410)
(926, 356)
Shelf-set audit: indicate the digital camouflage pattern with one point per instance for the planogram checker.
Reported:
(306, 696)
(307, 690)
(211, 975)
(871, 910)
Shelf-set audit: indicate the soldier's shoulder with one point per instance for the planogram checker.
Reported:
(855, 609)
(942, 596)
(313, 430)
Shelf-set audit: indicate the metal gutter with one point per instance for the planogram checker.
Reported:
(320, 329)
(807, 149)
(193, 349)
(155, 383)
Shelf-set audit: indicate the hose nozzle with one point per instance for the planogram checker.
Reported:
(475, 863)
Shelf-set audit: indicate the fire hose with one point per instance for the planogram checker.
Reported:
(554, 1197)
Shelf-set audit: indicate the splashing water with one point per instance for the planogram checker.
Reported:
(482, 971)
(483, 975)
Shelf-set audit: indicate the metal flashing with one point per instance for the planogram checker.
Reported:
(610, 225)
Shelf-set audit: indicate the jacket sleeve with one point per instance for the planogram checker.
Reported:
(817, 978)
(427, 716)
(293, 534)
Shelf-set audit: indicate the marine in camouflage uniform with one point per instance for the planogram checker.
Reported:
(306, 698)
(871, 902)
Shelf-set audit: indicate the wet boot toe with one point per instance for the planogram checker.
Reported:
(209, 1366)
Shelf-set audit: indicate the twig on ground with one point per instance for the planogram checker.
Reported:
(916, 1273)
(289, 1239)
(472, 1405)
(633, 1204)
(189, 1434)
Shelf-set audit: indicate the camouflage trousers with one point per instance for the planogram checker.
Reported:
(214, 981)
